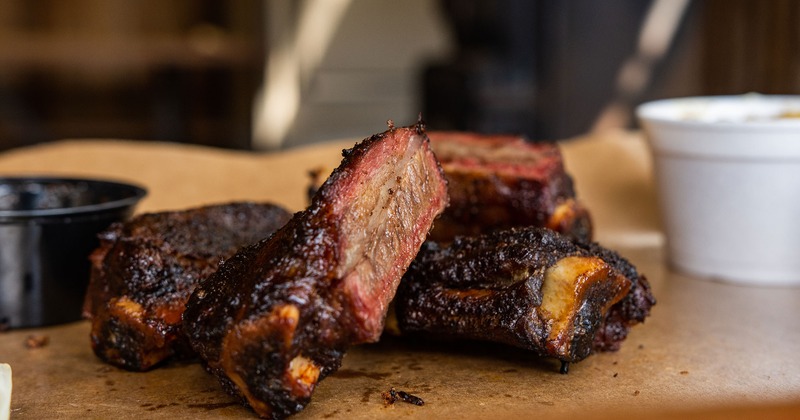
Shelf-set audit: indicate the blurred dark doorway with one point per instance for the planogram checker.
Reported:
(543, 68)
(550, 68)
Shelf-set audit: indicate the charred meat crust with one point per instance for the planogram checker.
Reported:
(145, 269)
(277, 317)
(492, 287)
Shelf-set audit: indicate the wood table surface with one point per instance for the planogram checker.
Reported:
(709, 349)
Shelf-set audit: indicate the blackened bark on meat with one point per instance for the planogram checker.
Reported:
(145, 269)
(527, 287)
(502, 181)
(277, 317)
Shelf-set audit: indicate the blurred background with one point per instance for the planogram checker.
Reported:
(265, 75)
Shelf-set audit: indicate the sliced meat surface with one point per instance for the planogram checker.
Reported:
(503, 181)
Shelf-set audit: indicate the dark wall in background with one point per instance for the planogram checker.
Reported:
(188, 70)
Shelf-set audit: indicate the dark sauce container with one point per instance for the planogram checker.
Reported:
(48, 229)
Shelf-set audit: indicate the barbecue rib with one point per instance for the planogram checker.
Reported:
(277, 317)
(502, 181)
(528, 287)
(145, 269)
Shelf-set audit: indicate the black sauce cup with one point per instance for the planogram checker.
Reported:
(48, 229)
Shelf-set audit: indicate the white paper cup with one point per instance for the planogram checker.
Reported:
(727, 170)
